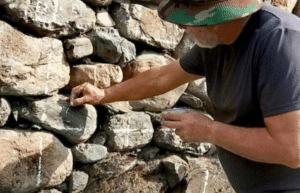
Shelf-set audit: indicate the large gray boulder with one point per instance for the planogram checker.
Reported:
(30, 66)
(5, 111)
(76, 124)
(31, 161)
(110, 46)
(142, 24)
(128, 131)
(51, 18)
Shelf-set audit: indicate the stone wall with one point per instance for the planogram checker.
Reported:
(47, 146)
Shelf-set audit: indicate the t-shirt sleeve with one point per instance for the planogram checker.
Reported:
(193, 61)
(279, 72)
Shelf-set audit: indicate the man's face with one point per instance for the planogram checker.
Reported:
(204, 37)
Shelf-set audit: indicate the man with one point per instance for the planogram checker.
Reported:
(249, 53)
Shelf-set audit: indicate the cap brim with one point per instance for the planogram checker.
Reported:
(204, 14)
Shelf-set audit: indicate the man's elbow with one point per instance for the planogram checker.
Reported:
(292, 160)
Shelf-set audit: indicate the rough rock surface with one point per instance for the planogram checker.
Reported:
(76, 124)
(88, 153)
(167, 138)
(185, 45)
(32, 160)
(110, 46)
(5, 111)
(128, 131)
(198, 88)
(142, 24)
(51, 18)
(104, 19)
(296, 10)
(78, 48)
(112, 166)
(99, 2)
(78, 181)
(100, 75)
(176, 169)
(22, 58)
(286, 5)
(191, 101)
(146, 61)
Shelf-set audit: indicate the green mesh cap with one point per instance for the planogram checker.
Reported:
(206, 12)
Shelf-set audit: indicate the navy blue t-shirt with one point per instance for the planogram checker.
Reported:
(255, 77)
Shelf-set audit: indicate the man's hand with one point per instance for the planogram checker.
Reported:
(191, 126)
(86, 94)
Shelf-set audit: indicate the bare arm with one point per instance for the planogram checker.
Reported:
(147, 84)
(277, 143)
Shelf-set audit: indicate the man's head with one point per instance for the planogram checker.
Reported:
(210, 22)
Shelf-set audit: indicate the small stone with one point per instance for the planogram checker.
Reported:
(191, 101)
(89, 153)
(104, 19)
(176, 169)
(78, 48)
(78, 181)
(5, 111)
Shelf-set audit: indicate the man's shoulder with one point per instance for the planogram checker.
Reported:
(270, 18)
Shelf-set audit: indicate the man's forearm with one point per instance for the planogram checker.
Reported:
(252, 143)
(149, 83)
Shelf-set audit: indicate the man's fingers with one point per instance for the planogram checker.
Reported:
(79, 101)
(172, 124)
(172, 116)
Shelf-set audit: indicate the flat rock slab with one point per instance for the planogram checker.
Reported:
(128, 131)
(98, 74)
(76, 124)
(30, 66)
(31, 161)
(142, 24)
(52, 18)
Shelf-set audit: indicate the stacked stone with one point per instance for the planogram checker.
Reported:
(47, 48)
